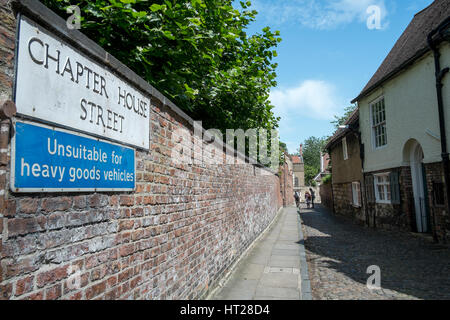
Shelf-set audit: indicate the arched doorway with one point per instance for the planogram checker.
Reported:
(419, 187)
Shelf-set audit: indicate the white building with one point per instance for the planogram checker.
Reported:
(401, 129)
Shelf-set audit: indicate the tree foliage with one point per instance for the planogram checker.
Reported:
(196, 52)
(310, 174)
(283, 147)
(327, 179)
(312, 148)
(340, 120)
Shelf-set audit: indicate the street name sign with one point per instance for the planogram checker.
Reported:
(59, 85)
(50, 159)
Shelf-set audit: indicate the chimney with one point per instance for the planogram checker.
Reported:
(322, 162)
(301, 150)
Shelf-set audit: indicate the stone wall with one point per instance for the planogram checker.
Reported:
(172, 238)
(402, 216)
(326, 195)
(393, 216)
(343, 202)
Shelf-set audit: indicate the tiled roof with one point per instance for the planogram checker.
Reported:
(340, 133)
(411, 45)
(296, 159)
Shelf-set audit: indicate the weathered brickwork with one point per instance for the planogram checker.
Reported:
(439, 216)
(402, 216)
(7, 45)
(393, 216)
(407, 199)
(286, 185)
(343, 202)
(326, 195)
(172, 238)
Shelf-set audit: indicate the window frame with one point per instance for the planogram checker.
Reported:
(386, 184)
(441, 185)
(345, 148)
(374, 127)
(356, 188)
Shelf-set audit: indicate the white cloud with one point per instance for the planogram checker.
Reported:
(312, 99)
(318, 14)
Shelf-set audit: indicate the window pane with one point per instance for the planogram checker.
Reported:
(381, 192)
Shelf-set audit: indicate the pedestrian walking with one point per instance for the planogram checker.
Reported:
(308, 199)
(313, 196)
(297, 199)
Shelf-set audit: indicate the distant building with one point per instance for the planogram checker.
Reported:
(347, 176)
(324, 163)
(286, 181)
(298, 170)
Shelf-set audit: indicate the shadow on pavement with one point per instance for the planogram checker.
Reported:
(408, 264)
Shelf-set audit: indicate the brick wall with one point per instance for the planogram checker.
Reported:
(286, 185)
(7, 29)
(439, 216)
(172, 238)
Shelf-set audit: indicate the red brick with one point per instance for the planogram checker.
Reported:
(76, 296)
(29, 206)
(98, 200)
(10, 208)
(79, 202)
(53, 293)
(5, 81)
(14, 268)
(125, 225)
(35, 296)
(98, 273)
(126, 250)
(6, 39)
(24, 286)
(127, 201)
(56, 204)
(5, 291)
(51, 276)
(95, 290)
(23, 226)
(112, 294)
(112, 281)
(96, 260)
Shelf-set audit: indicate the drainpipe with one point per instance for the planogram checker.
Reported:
(440, 74)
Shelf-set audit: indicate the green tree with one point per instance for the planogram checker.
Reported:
(310, 173)
(283, 148)
(340, 120)
(312, 148)
(196, 52)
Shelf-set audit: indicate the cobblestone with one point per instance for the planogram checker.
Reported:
(339, 253)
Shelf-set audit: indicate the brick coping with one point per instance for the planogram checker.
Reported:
(45, 17)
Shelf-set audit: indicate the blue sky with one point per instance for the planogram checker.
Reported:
(327, 56)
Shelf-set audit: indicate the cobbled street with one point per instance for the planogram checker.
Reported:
(339, 253)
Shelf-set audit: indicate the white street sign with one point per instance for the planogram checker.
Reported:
(57, 84)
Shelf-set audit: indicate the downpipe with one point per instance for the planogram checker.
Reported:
(439, 75)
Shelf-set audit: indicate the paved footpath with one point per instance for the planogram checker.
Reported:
(271, 270)
(339, 252)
